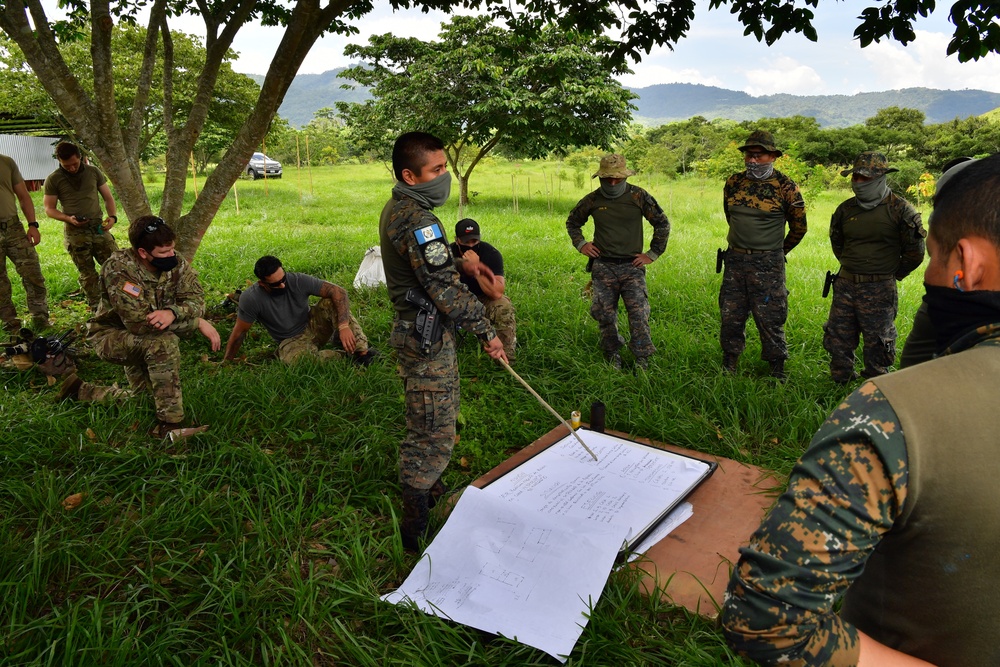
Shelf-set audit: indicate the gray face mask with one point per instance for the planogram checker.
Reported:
(870, 193)
(613, 191)
(431, 194)
(760, 171)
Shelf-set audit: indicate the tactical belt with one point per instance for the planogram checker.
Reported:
(615, 260)
(865, 277)
(6, 221)
(747, 251)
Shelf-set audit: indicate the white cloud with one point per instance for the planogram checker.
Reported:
(649, 75)
(922, 63)
(787, 76)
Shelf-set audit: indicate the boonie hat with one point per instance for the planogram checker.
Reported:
(613, 166)
(761, 139)
(467, 230)
(871, 165)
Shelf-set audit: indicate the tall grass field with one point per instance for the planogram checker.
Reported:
(269, 539)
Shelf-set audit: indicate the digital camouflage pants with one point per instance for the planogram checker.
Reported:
(861, 310)
(85, 246)
(151, 363)
(610, 282)
(15, 246)
(754, 285)
(323, 328)
(501, 314)
(431, 388)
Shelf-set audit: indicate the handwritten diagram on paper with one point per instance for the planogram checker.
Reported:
(501, 569)
(629, 483)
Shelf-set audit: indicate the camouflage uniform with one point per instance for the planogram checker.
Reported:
(618, 235)
(120, 333)
(861, 506)
(865, 301)
(78, 194)
(14, 245)
(753, 281)
(323, 328)
(415, 255)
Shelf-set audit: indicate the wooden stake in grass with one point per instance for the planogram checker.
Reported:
(550, 408)
(194, 176)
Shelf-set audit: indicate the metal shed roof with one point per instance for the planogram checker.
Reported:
(33, 155)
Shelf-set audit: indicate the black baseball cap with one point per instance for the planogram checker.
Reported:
(467, 230)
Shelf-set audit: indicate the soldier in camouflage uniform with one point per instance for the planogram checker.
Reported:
(758, 202)
(280, 302)
(79, 188)
(618, 263)
(19, 246)
(490, 292)
(149, 297)
(418, 263)
(878, 239)
(892, 505)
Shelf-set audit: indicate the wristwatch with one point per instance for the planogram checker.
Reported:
(33, 223)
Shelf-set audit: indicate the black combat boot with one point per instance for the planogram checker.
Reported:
(729, 362)
(778, 370)
(416, 503)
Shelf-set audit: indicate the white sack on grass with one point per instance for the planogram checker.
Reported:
(370, 273)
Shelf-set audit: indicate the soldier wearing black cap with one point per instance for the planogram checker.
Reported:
(758, 203)
(489, 290)
(878, 239)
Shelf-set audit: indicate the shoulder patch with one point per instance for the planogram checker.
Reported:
(132, 290)
(428, 234)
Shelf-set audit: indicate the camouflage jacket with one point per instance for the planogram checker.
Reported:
(129, 292)
(902, 213)
(777, 191)
(647, 207)
(416, 254)
(843, 495)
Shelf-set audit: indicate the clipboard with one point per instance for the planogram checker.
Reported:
(630, 482)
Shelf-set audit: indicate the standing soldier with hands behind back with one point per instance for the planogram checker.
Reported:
(618, 264)
(79, 188)
(18, 245)
(878, 239)
(758, 202)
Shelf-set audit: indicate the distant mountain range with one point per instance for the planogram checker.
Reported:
(668, 102)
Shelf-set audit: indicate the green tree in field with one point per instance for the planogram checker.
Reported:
(96, 119)
(898, 132)
(481, 87)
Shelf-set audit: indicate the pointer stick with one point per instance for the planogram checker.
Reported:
(542, 401)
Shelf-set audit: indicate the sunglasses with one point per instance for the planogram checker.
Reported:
(754, 155)
(276, 282)
(153, 225)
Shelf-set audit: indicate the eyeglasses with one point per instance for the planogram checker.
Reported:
(276, 282)
(153, 225)
(754, 155)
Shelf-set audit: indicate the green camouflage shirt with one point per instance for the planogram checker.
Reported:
(843, 495)
(129, 292)
(777, 193)
(635, 205)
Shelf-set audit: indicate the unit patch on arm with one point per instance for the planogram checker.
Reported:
(430, 239)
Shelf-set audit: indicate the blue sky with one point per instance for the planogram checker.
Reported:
(714, 53)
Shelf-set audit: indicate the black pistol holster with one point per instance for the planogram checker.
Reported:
(427, 327)
(720, 257)
(828, 283)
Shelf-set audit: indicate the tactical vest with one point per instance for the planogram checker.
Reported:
(871, 240)
(618, 226)
(929, 588)
(756, 229)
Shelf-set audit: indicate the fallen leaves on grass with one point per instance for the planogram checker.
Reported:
(71, 502)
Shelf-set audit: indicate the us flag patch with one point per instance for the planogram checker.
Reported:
(132, 290)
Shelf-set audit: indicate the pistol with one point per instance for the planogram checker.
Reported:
(828, 283)
(720, 257)
(427, 327)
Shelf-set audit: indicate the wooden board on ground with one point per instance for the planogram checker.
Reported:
(691, 566)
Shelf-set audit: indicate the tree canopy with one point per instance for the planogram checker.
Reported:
(93, 112)
(481, 87)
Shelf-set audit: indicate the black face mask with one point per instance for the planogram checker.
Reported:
(164, 263)
(956, 313)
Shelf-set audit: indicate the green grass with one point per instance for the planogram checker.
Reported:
(268, 539)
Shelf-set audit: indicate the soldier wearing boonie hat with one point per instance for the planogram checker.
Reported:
(758, 203)
(617, 261)
(878, 239)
